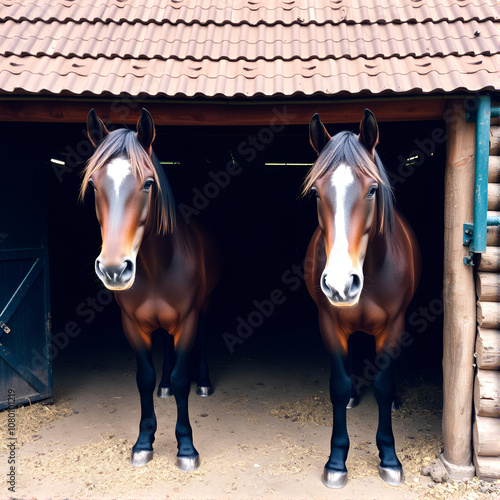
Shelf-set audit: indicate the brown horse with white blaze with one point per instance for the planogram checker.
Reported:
(161, 270)
(363, 267)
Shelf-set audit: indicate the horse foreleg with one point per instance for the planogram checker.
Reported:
(142, 451)
(204, 386)
(335, 472)
(164, 390)
(390, 468)
(188, 458)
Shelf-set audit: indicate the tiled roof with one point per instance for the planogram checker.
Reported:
(248, 47)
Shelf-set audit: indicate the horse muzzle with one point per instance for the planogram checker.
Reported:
(116, 277)
(343, 291)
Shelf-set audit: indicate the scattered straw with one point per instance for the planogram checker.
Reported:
(475, 489)
(312, 410)
(101, 467)
(239, 405)
(419, 450)
(30, 419)
(422, 400)
(295, 459)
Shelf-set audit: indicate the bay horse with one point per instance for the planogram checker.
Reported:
(160, 269)
(363, 267)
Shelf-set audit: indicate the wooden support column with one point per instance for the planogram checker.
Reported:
(459, 295)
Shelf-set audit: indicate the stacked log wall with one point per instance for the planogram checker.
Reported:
(486, 426)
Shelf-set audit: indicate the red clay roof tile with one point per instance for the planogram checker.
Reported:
(248, 47)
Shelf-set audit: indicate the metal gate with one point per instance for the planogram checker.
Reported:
(25, 362)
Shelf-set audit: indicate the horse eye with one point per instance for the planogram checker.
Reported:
(371, 192)
(315, 192)
(92, 185)
(147, 185)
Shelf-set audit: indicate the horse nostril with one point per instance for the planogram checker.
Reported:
(99, 268)
(325, 287)
(355, 285)
(128, 269)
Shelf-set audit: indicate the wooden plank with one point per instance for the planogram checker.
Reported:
(459, 329)
(493, 196)
(487, 467)
(490, 260)
(488, 314)
(494, 140)
(487, 393)
(486, 436)
(494, 169)
(488, 287)
(203, 112)
(488, 349)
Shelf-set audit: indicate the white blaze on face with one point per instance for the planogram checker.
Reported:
(118, 169)
(339, 267)
(119, 247)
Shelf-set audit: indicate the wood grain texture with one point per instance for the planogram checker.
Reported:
(459, 330)
(487, 393)
(486, 436)
(488, 286)
(488, 349)
(199, 112)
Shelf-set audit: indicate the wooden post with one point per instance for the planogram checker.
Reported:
(459, 295)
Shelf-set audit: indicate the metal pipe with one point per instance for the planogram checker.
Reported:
(478, 244)
(493, 220)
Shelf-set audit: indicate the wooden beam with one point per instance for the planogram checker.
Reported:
(488, 287)
(487, 394)
(193, 112)
(487, 467)
(490, 260)
(459, 330)
(494, 169)
(486, 437)
(494, 140)
(493, 196)
(488, 349)
(488, 314)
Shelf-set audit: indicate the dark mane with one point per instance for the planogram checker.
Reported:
(345, 147)
(123, 143)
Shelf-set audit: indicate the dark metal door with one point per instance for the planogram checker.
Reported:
(25, 358)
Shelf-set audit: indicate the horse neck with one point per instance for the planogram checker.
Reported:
(157, 250)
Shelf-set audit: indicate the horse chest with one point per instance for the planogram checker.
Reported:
(367, 316)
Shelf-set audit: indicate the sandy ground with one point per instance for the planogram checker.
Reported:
(264, 433)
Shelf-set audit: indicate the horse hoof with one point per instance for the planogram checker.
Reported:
(140, 458)
(334, 478)
(394, 477)
(188, 464)
(353, 402)
(164, 392)
(204, 391)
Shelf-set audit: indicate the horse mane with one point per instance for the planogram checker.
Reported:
(123, 143)
(345, 147)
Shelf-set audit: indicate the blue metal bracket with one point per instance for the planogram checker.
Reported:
(475, 233)
(468, 232)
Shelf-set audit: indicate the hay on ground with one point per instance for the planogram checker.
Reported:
(30, 419)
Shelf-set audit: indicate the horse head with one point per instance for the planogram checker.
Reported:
(354, 204)
(126, 184)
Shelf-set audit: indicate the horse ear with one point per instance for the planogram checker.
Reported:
(368, 131)
(96, 130)
(318, 136)
(146, 130)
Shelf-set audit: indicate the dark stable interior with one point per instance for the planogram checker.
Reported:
(262, 226)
